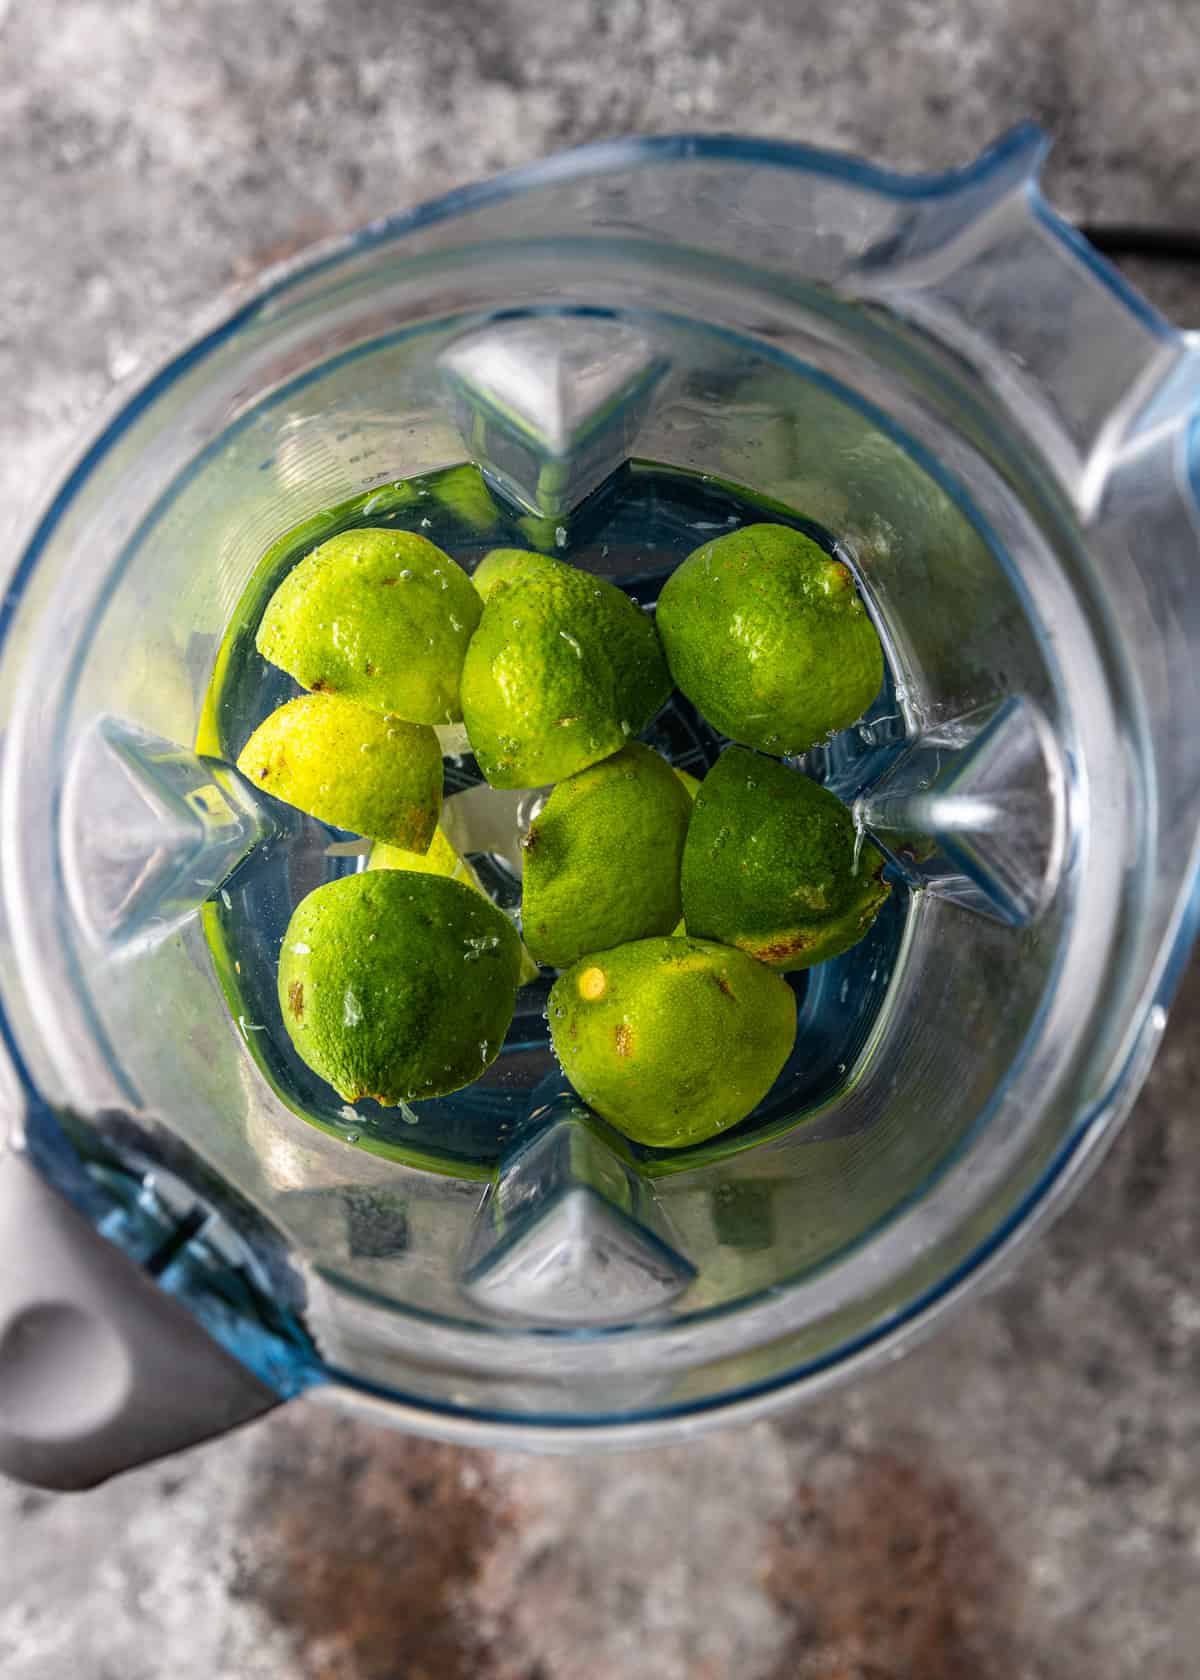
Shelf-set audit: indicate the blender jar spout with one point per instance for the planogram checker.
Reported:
(983, 265)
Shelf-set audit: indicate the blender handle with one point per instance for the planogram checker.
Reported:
(100, 1370)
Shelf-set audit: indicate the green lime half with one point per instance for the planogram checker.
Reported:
(601, 860)
(562, 670)
(379, 617)
(772, 865)
(348, 766)
(672, 1040)
(398, 986)
(766, 634)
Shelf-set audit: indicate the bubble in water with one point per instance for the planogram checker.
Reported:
(300, 949)
(858, 839)
(426, 523)
(350, 1137)
(406, 573)
(560, 535)
(484, 1049)
(351, 1009)
(572, 643)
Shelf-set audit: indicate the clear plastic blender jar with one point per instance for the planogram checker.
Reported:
(1003, 437)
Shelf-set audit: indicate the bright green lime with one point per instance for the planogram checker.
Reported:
(672, 1040)
(398, 986)
(348, 766)
(767, 636)
(601, 860)
(376, 616)
(772, 865)
(562, 670)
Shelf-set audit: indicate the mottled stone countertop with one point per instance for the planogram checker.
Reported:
(1019, 1497)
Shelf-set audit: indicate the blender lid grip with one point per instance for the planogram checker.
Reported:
(100, 1370)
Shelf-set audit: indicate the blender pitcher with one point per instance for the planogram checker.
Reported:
(1002, 437)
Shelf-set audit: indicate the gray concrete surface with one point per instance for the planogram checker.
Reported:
(1019, 1498)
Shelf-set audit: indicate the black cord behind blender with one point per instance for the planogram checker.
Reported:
(1131, 239)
